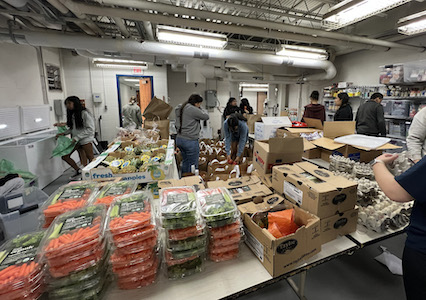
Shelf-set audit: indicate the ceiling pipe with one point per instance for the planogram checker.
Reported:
(76, 11)
(91, 55)
(252, 22)
(160, 49)
(17, 3)
(148, 30)
(121, 24)
(246, 30)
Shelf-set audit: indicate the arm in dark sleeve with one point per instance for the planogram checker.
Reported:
(381, 120)
(351, 114)
(323, 114)
(7, 178)
(413, 181)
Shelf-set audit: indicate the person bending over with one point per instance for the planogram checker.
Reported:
(236, 136)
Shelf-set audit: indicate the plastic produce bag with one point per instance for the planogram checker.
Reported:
(7, 167)
(64, 145)
(281, 223)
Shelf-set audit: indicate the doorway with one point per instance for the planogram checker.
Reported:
(140, 87)
(261, 96)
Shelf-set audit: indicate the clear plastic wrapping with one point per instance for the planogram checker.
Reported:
(69, 197)
(21, 266)
(216, 204)
(181, 268)
(178, 208)
(184, 233)
(114, 189)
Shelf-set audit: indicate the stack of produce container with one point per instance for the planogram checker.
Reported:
(22, 268)
(185, 242)
(133, 235)
(223, 222)
(114, 189)
(76, 253)
(69, 197)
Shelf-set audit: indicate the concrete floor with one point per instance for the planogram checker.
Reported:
(353, 277)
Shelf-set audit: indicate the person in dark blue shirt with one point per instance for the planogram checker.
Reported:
(236, 136)
(404, 188)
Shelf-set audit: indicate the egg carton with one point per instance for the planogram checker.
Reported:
(348, 176)
(362, 170)
(341, 164)
(401, 164)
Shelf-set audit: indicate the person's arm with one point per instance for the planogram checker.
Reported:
(381, 124)
(199, 114)
(227, 138)
(351, 114)
(323, 114)
(88, 128)
(387, 183)
(243, 139)
(416, 137)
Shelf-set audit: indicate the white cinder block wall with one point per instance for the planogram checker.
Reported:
(83, 79)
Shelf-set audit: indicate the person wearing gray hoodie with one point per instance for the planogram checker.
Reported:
(188, 117)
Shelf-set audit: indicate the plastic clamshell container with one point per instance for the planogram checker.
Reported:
(21, 264)
(138, 246)
(225, 221)
(218, 257)
(76, 232)
(223, 249)
(122, 261)
(226, 241)
(138, 280)
(178, 203)
(187, 244)
(137, 268)
(79, 276)
(114, 189)
(31, 293)
(134, 236)
(216, 204)
(224, 231)
(184, 233)
(130, 213)
(186, 253)
(69, 197)
(185, 268)
(94, 293)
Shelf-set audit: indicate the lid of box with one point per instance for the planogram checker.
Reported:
(313, 123)
(234, 182)
(363, 141)
(299, 130)
(286, 145)
(260, 204)
(327, 143)
(307, 145)
(281, 121)
(333, 130)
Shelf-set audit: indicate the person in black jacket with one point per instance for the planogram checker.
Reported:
(370, 117)
(231, 108)
(344, 113)
(245, 107)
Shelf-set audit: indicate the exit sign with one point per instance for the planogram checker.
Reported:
(137, 70)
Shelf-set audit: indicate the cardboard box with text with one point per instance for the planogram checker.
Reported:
(315, 189)
(280, 256)
(338, 225)
(268, 127)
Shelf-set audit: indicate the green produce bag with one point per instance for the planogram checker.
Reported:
(64, 145)
(7, 167)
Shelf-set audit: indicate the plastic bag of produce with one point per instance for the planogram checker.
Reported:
(64, 145)
(7, 167)
(282, 223)
(178, 208)
(114, 189)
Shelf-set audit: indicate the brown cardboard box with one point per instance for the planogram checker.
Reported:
(309, 149)
(315, 189)
(276, 151)
(328, 146)
(266, 179)
(338, 225)
(280, 256)
(242, 189)
(251, 120)
(194, 181)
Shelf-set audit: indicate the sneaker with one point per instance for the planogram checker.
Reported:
(76, 175)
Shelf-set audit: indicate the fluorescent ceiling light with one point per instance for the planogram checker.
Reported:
(303, 52)
(351, 11)
(38, 120)
(3, 126)
(413, 24)
(131, 80)
(119, 63)
(254, 85)
(174, 35)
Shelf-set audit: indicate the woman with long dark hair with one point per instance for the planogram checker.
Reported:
(236, 136)
(344, 113)
(188, 117)
(231, 108)
(314, 110)
(245, 107)
(81, 126)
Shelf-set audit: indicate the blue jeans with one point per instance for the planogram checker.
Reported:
(190, 150)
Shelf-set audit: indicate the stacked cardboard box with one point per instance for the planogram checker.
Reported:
(331, 198)
(281, 255)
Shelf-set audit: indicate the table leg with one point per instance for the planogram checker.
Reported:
(299, 290)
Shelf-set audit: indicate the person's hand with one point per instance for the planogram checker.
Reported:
(58, 135)
(387, 158)
(229, 159)
(237, 160)
(416, 161)
(56, 124)
(74, 141)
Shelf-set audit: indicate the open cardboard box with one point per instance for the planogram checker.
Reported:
(338, 225)
(281, 255)
(193, 181)
(242, 189)
(268, 127)
(328, 146)
(276, 151)
(315, 189)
